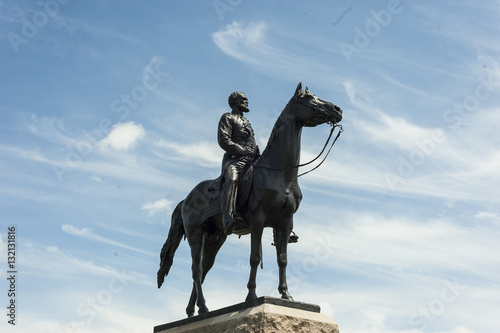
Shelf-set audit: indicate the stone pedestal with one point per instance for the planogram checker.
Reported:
(265, 314)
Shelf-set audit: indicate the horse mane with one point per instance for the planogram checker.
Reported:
(281, 121)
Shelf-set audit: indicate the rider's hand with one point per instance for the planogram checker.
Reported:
(250, 151)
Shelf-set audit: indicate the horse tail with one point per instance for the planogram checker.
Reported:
(174, 238)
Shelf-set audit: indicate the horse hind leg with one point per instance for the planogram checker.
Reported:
(193, 297)
(192, 216)
(197, 270)
(210, 250)
(192, 302)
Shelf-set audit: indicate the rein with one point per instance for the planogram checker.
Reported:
(328, 152)
(311, 161)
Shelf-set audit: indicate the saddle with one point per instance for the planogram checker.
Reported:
(244, 186)
(215, 188)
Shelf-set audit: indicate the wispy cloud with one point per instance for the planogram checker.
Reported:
(21, 152)
(488, 216)
(89, 234)
(474, 31)
(251, 44)
(238, 38)
(51, 263)
(78, 25)
(63, 264)
(204, 153)
(356, 240)
(96, 179)
(403, 157)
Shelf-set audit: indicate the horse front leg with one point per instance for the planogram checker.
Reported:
(281, 237)
(255, 259)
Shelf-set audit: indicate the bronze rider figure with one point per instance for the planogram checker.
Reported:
(236, 137)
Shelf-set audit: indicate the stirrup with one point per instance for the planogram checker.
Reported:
(293, 238)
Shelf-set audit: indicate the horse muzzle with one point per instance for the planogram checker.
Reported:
(334, 113)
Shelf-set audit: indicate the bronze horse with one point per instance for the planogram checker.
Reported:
(273, 199)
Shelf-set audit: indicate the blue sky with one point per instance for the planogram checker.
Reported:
(109, 117)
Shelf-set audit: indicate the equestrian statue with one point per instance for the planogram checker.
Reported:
(253, 192)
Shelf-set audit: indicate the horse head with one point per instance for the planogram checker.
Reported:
(311, 110)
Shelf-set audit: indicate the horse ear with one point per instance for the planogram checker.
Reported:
(307, 89)
(299, 88)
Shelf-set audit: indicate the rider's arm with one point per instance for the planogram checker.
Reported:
(224, 136)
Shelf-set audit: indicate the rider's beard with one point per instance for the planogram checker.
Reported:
(244, 108)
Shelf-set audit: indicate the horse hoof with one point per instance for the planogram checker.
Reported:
(287, 296)
(251, 296)
(202, 310)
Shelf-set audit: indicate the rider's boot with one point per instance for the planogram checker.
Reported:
(230, 218)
